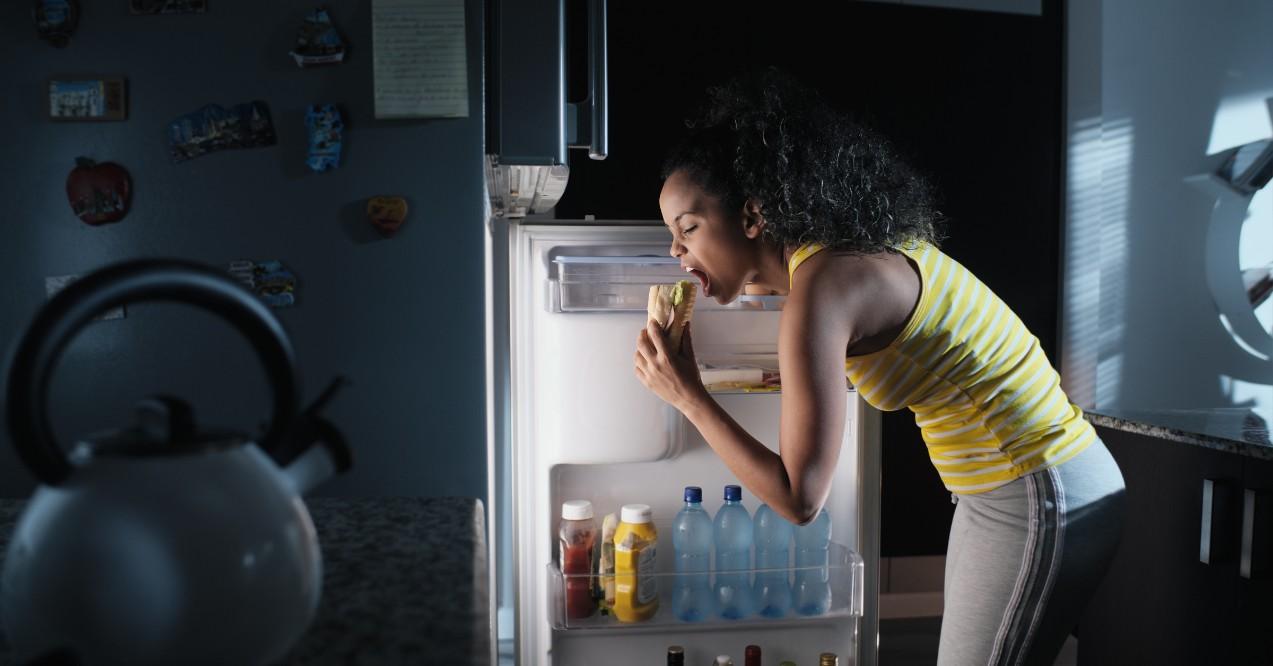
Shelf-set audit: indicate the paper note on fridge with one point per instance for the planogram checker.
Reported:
(420, 64)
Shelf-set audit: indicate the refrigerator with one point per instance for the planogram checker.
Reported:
(365, 305)
(568, 301)
(566, 417)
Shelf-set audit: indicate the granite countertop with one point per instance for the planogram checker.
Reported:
(1233, 429)
(404, 581)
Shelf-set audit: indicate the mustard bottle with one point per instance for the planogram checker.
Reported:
(636, 591)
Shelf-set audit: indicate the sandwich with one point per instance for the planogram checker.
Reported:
(670, 306)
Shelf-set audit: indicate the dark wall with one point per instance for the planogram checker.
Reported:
(402, 318)
(973, 98)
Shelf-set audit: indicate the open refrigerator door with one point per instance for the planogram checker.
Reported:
(581, 426)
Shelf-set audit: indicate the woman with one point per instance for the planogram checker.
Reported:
(774, 188)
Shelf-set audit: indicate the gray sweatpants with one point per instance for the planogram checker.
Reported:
(1024, 559)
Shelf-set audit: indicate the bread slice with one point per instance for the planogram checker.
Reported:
(671, 306)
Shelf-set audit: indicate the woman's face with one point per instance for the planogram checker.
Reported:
(717, 246)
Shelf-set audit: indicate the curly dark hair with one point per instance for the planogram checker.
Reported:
(819, 176)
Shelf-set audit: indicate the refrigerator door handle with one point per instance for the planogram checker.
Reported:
(592, 131)
(1215, 544)
(1257, 522)
(599, 63)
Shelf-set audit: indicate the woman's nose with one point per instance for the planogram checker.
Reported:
(677, 249)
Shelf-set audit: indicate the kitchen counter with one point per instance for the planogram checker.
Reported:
(404, 582)
(1232, 429)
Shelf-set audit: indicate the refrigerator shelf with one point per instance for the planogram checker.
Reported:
(622, 284)
(843, 575)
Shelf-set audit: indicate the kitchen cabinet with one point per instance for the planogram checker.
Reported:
(1158, 603)
(1255, 595)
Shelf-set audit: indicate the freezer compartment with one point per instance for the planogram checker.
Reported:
(622, 284)
(841, 578)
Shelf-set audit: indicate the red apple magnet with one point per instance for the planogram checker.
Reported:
(99, 192)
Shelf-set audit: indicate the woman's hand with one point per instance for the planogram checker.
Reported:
(673, 376)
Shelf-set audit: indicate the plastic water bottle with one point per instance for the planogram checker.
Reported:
(733, 531)
(772, 591)
(813, 583)
(692, 544)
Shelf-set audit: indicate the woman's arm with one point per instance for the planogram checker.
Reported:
(814, 335)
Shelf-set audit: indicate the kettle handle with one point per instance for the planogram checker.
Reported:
(35, 357)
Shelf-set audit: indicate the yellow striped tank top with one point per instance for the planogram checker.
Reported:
(987, 400)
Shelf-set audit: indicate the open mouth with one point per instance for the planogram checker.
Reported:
(704, 281)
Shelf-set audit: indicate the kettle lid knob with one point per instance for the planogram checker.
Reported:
(162, 425)
(165, 419)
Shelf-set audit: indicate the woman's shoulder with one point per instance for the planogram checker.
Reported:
(841, 272)
(871, 294)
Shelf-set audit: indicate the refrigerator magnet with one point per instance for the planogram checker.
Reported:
(167, 6)
(215, 128)
(55, 20)
(326, 133)
(99, 192)
(387, 214)
(318, 42)
(87, 98)
(56, 283)
(269, 279)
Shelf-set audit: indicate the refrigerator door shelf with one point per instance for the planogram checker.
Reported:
(622, 284)
(843, 575)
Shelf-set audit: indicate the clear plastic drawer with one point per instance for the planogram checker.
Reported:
(622, 284)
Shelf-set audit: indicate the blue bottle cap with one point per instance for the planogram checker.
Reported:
(733, 494)
(693, 494)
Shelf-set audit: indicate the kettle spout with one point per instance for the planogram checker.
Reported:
(315, 450)
(325, 456)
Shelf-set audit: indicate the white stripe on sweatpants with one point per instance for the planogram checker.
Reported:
(1022, 574)
(1023, 615)
(1056, 556)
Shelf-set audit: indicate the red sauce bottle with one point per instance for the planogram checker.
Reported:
(578, 535)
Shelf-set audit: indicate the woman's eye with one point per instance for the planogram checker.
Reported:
(688, 229)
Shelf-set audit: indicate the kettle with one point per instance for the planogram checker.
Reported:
(161, 543)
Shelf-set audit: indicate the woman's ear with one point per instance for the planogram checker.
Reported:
(753, 218)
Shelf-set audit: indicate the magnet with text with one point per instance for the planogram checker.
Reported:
(318, 42)
(387, 214)
(55, 20)
(99, 192)
(87, 99)
(326, 133)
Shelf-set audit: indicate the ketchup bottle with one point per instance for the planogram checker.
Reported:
(578, 536)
